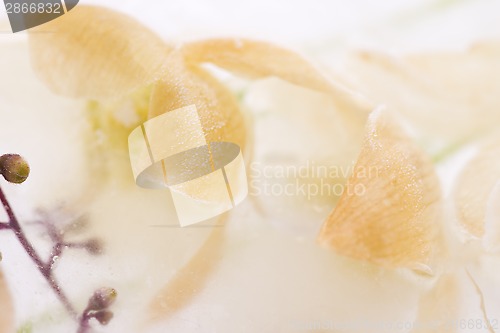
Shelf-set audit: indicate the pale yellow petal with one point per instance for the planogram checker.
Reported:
(389, 213)
(439, 307)
(475, 186)
(470, 77)
(222, 120)
(94, 52)
(492, 223)
(443, 308)
(6, 307)
(220, 115)
(191, 278)
(256, 60)
(434, 91)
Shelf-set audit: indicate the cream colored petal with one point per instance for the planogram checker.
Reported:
(256, 60)
(389, 213)
(140, 226)
(470, 76)
(222, 120)
(94, 52)
(220, 115)
(191, 278)
(443, 308)
(434, 91)
(475, 186)
(492, 227)
(211, 198)
(470, 79)
(6, 307)
(439, 307)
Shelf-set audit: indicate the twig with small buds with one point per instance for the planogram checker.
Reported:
(16, 170)
(97, 308)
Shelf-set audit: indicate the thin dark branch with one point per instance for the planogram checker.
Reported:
(56, 252)
(84, 325)
(74, 245)
(42, 267)
(7, 207)
(53, 233)
(47, 268)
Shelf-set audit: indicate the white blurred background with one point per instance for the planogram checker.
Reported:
(316, 25)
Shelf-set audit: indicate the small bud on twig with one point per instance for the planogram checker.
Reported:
(103, 317)
(94, 246)
(102, 299)
(14, 168)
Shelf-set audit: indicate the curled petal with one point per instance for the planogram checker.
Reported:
(191, 278)
(221, 121)
(389, 213)
(94, 52)
(475, 187)
(218, 109)
(256, 60)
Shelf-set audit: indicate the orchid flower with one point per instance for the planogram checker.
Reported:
(415, 246)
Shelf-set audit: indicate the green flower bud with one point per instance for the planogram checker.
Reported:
(102, 299)
(14, 168)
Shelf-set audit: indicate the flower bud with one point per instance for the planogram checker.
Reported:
(94, 246)
(102, 299)
(103, 317)
(14, 168)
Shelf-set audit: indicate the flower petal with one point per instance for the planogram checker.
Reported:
(94, 52)
(434, 90)
(492, 224)
(475, 186)
(455, 298)
(191, 278)
(256, 60)
(469, 77)
(439, 305)
(220, 115)
(389, 212)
